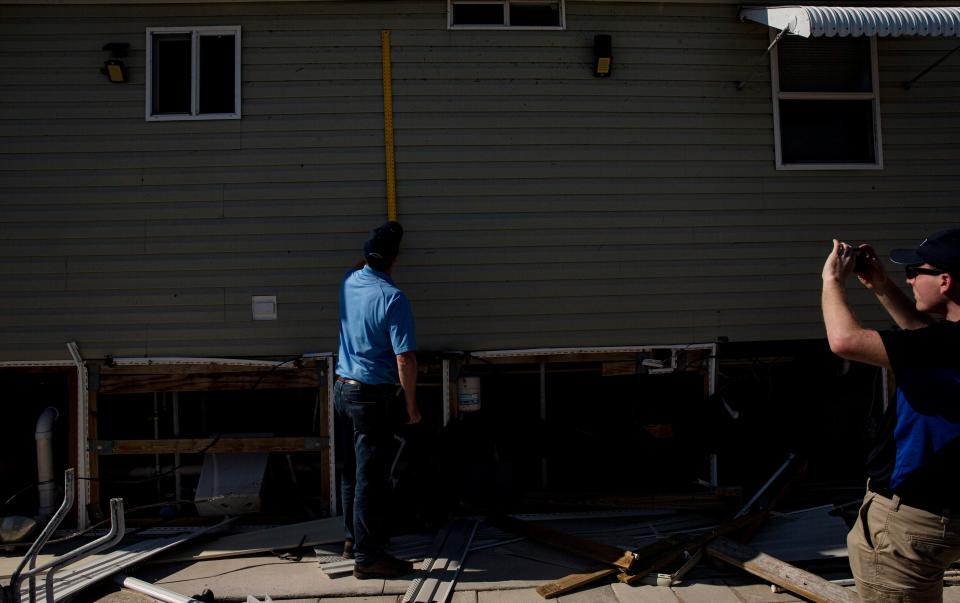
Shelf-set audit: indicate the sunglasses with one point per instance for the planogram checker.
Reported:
(914, 271)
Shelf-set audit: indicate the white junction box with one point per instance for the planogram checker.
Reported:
(264, 307)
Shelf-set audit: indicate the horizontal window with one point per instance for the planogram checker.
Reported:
(193, 73)
(499, 14)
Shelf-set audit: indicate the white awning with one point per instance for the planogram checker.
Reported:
(828, 21)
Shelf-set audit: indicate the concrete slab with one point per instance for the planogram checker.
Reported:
(516, 566)
(951, 594)
(379, 599)
(643, 593)
(467, 596)
(706, 591)
(599, 594)
(261, 575)
(520, 595)
(761, 593)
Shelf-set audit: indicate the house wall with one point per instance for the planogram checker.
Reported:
(543, 207)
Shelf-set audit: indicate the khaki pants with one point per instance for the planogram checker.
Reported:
(899, 553)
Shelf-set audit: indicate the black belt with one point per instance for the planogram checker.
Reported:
(360, 384)
(924, 503)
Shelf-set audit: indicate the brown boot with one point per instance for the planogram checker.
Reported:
(385, 566)
(347, 549)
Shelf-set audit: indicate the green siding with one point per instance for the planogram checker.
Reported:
(543, 207)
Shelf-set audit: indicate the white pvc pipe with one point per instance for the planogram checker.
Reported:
(46, 487)
(152, 590)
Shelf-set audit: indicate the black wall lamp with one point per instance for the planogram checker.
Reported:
(602, 55)
(113, 67)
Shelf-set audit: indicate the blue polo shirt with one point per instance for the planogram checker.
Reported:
(376, 324)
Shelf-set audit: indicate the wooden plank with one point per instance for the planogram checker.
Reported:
(233, 380)
(769, 568)
(573, 582)
(578, 546)
(107, 371)
(209, 445)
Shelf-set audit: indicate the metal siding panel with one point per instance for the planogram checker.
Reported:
(543, 207)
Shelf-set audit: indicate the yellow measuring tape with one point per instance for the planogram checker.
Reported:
(388, 124)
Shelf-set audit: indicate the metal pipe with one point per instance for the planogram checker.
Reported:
(588, 350)
(445, 370)
(176, 456)
(177, 360)
(156, 436)
(760, 492)
(543, 420)
(331, 429)
(152, 590)
(46, 487)
(115, 535)
(69, 481)
(83, 432)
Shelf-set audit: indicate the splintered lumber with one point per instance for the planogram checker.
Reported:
(671, 549)
(674, 547)
(611, 555)
(782, 574)
(573, 582)
(648, 559)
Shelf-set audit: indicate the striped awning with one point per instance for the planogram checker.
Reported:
(829, 21)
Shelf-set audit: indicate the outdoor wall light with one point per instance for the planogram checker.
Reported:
(113, 67)
(602, 55)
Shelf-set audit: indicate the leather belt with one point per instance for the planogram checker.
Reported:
(356, 383)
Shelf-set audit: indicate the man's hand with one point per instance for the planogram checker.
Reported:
(839, 263)
(414, 413)
(871, 274)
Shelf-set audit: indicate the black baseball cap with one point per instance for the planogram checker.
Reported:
(383, 242)
(941, 249)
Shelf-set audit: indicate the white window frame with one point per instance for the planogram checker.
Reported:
(195, 34)
(506, 16)
(873, 95)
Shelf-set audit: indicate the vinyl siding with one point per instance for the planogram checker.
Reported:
(543, 207)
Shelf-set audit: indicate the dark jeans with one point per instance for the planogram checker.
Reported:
(363, 439)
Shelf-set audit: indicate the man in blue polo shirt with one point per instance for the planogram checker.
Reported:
(376, 367)
(905, 536)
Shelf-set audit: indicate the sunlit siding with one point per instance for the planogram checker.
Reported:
(543, 207)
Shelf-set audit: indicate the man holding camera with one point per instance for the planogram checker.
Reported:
(906, 534)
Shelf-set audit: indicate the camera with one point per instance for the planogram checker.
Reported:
(860, 260)
(860, 257)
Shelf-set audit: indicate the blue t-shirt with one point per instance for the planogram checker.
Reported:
(926, 431)
(376, 324)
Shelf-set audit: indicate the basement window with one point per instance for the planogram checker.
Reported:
(826, 108)
(193, 73)
(505, 14)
